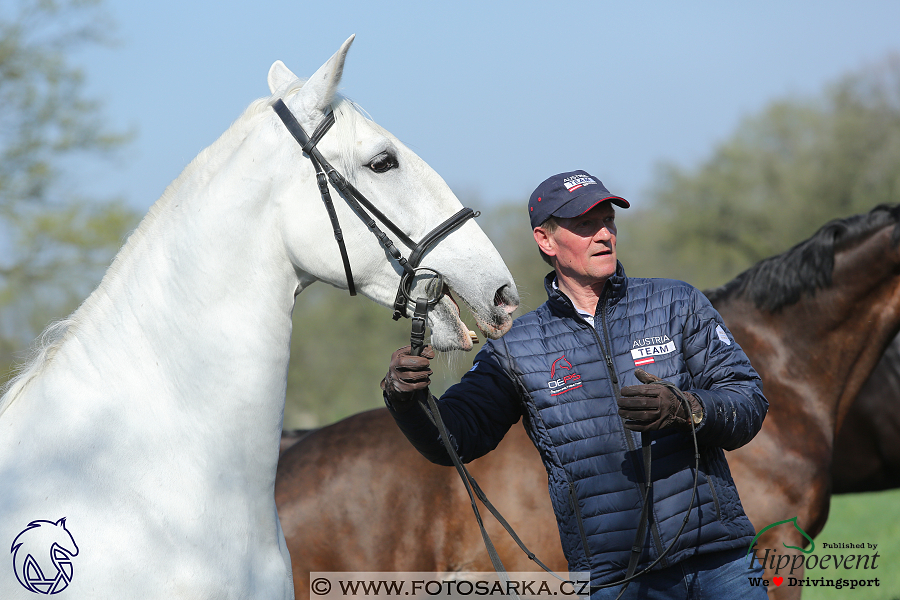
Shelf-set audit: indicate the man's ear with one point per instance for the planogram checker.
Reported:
(545, 241)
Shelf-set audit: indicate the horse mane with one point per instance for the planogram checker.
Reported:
(54, 335)
(782, 280)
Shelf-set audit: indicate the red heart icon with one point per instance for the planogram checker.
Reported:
(778, 580)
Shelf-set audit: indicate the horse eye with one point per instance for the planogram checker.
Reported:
(383, 162)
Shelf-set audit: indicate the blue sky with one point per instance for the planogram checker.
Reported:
(496, 96)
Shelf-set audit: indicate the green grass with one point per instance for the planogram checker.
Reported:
(872, 518)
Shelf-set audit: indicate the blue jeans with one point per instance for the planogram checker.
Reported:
(720, 575)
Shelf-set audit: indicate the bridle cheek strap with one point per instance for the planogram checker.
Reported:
(309, 148)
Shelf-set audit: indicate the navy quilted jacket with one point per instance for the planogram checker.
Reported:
(563, 375)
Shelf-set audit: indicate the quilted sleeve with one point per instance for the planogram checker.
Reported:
(724, 380)
(478, 411)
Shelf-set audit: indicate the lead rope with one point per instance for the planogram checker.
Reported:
(430, 408)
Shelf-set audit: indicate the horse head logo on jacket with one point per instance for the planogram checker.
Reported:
(559, 363)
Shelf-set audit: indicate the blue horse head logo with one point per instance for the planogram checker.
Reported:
(42, 556)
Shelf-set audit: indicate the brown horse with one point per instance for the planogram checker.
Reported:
(867, 446)
(356, 496)
(814, 321)
(291, 437)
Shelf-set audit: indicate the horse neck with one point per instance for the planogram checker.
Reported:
(194, 316)
(827, 344)
(863, 312)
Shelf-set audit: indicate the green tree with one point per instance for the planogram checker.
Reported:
(784, 173)
(55, 242)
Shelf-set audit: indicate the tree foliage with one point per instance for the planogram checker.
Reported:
(55, 241)
(784, 173)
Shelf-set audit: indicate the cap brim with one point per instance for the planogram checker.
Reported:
(575, 208)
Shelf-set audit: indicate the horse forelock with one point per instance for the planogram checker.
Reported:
(781, 280)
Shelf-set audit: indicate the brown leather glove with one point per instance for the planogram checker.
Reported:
(653, 405)
(406, 377)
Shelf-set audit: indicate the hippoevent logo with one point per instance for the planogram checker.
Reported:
(42, 556)
(839, 571)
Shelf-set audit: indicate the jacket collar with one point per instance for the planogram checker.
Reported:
(613, 290)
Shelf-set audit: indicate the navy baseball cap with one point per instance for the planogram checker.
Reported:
(568, 195)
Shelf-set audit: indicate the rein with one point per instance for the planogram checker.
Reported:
(356, 200)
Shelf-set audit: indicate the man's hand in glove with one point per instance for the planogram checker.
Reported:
(406, 376)
(655, 405)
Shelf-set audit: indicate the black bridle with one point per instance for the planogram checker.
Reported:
(356, 200)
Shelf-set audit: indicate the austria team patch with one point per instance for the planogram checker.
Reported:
(645, 350)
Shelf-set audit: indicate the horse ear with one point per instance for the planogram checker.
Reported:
(321, 87)
(279, 76)
(61, 523)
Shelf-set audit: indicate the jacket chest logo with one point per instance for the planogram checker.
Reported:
(644, 350)
(563, 377)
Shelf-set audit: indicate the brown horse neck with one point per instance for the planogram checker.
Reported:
(862, 311)
(831, 340)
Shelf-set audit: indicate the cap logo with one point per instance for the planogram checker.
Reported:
(575, 182)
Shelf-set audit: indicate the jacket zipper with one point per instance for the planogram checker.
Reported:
(607, 354)
(574, 499)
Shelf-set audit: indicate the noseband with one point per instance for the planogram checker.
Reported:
(325, 173)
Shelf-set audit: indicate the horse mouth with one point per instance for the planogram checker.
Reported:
(493, 328)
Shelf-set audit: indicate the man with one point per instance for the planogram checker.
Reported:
(570, 367)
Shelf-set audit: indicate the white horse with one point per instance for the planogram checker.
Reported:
(117, 423)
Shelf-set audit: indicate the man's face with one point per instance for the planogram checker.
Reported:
(584, 247)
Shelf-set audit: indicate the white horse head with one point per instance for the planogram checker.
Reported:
(118, 422)
(404, 188)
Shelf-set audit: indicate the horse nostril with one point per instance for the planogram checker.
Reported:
(506, 298)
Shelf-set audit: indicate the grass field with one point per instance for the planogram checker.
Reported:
(872, 518)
